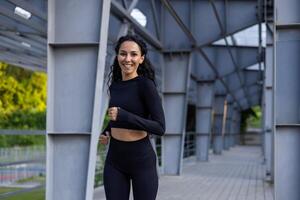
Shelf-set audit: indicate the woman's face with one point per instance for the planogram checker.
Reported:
(129, 58)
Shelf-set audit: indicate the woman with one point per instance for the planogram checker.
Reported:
(135, 111)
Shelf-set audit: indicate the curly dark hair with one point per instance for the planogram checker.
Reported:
(145, 68)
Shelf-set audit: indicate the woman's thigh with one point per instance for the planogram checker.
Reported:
(145, 179)
(116, 183)
(145, 185)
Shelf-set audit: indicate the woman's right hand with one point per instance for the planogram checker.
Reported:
(113, 113)
(104, 138)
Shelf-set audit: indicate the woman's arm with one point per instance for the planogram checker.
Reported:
(107, 129)
(156, 123)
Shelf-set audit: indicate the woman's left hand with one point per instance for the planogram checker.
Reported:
(113, 113)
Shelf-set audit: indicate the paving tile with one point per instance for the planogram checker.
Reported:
(237, 174)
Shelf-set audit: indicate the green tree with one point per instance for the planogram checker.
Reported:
(22, 103)
(21, 89)
(251, 118)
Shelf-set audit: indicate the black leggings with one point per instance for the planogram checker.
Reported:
(135, 161)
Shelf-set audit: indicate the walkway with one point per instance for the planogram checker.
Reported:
(235, 175)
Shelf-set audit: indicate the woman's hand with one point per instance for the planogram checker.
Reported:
(113, 113)
(104, 138)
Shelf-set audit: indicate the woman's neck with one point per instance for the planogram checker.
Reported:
(125, 78)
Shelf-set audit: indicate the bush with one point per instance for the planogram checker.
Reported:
(22, 104)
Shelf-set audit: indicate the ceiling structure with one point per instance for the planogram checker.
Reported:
(23, 38)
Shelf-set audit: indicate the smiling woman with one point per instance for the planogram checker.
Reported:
(135, 111)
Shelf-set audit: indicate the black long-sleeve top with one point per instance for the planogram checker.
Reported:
(140, 106)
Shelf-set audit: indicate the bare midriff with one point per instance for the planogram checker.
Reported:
(127, 134)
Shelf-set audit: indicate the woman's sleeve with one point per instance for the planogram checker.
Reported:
(107, 129)
(155, 124)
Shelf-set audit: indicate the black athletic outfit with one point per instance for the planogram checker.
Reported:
(140, 108)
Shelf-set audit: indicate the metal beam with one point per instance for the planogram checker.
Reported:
(155, 19)
(194, 42)
(8, 24)
(96, 129)
(239, 15)
(70, 115)
(22, 57)
(33, 9)
(227, 44)
(30, 23)
(10, 42)
(121, 13)
(217, 74)
(246, 55)
(176, 82)
(185, 29)
(287, 99)
(22, 38)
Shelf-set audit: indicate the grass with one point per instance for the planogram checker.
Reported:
(7, 189)
(39, 179)
(38, 194)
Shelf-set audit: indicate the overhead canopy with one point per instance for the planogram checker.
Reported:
(23, 38)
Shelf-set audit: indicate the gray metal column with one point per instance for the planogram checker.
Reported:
(263, 120)
(76, 60)
(231, 142)
(218, 123)
(176, 83)
(287, 99)
(205, 96)
(269, 108)
(237, 131)
(233, 127)
(228, 121)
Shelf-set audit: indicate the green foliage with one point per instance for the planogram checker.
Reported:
(21, 90)
(255, 121)
(251, 118)
(40, 179)
(22, 104)
(23, 119)
(21, 140)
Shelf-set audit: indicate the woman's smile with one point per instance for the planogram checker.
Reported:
(128, 65)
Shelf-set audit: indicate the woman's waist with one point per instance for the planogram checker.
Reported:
(125, 134)
(136, 148)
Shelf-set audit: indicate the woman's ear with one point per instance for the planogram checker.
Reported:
(142, 59)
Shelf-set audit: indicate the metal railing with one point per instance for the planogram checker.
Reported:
(23, 162)
(19, 163)
(189, 144)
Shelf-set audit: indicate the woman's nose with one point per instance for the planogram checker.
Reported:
(128, 58)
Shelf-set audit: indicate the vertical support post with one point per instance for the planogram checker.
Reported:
(260, 20)
(238, 128)
(233, 127)
(176, 81)
(97, 109)
(218, 123)
(177, 67)
(269, 108)
(205, 97)
(77, 40)
(287, 99)
(228, 122)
